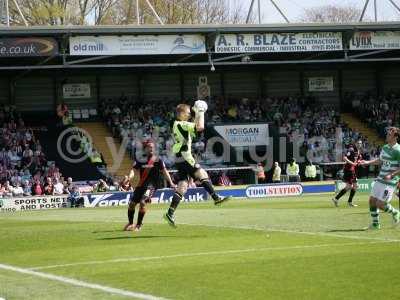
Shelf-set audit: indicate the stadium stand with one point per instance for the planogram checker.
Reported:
(23, 161)
(378, 112)
(296, 118)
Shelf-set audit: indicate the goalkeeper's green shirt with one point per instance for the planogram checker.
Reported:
(390, 158)
(184, 132)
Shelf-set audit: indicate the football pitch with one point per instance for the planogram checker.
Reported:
(283, 248)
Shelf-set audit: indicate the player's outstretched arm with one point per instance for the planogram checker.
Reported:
(349, 161)
(131, 174)
(199, 121)
(168, 178)
(393, 174)
(376, 161)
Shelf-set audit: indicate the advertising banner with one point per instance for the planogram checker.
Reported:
(32, 203)
(320, 84)
(278, 42)
(244, 134)
(364, 185)
(32, 46)
(76, 90)
(137, 45)
(123, 198)
(274, 190)
(368, 40)
(165, 195)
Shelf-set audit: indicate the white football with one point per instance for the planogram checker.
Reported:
(201, 106)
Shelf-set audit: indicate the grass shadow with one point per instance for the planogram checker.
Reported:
(108, 231)
(148, 237)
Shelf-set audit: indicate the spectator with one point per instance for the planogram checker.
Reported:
(37, 188)
(96, 159)
(62, 109)
(101, 187)
(75, 197)
(276, 175)
(49, 187)
(2, 191)
(260, 173)
(68, 186)
(27, 188)
(7, 189)
(311, 171)
(125, 185)
(224, 180)
(58, 187)
(191, 183)
(17, 191)
(293, 170)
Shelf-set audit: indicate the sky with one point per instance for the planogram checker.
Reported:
(293, 8)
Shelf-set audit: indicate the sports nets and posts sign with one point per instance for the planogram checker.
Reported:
(244, 134)
(32, 203)
(368, 40)
(137, 45)
(30, 46)
(279, 42)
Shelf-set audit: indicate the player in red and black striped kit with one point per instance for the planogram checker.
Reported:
(150, 174)
(352, 159)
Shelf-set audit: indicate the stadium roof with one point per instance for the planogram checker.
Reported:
(181, 29)
(63, 60)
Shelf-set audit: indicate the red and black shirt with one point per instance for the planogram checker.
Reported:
(354, 155)
(149, 171)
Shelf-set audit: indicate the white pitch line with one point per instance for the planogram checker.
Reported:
(80, 283)
(354, 237)
(145, 258)
(266, 229)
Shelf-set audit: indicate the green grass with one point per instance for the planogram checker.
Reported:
(286, 248)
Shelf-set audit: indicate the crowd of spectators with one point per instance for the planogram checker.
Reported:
(378, 112)
(24, 169)
(297, 117)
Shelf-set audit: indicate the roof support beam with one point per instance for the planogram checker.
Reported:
(204, 64)
(154, 12)
(395, 5)
(363, 11)
(280, 11)
(78, 61)
(368, 53)
(249, 13)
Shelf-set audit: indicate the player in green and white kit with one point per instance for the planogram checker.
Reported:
(386, 182)
(184, 131)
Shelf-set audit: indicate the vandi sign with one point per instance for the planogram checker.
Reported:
(278, 42)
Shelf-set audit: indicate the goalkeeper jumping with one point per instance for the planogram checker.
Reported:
(183, 132)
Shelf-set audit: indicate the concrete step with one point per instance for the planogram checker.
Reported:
(98, 132)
